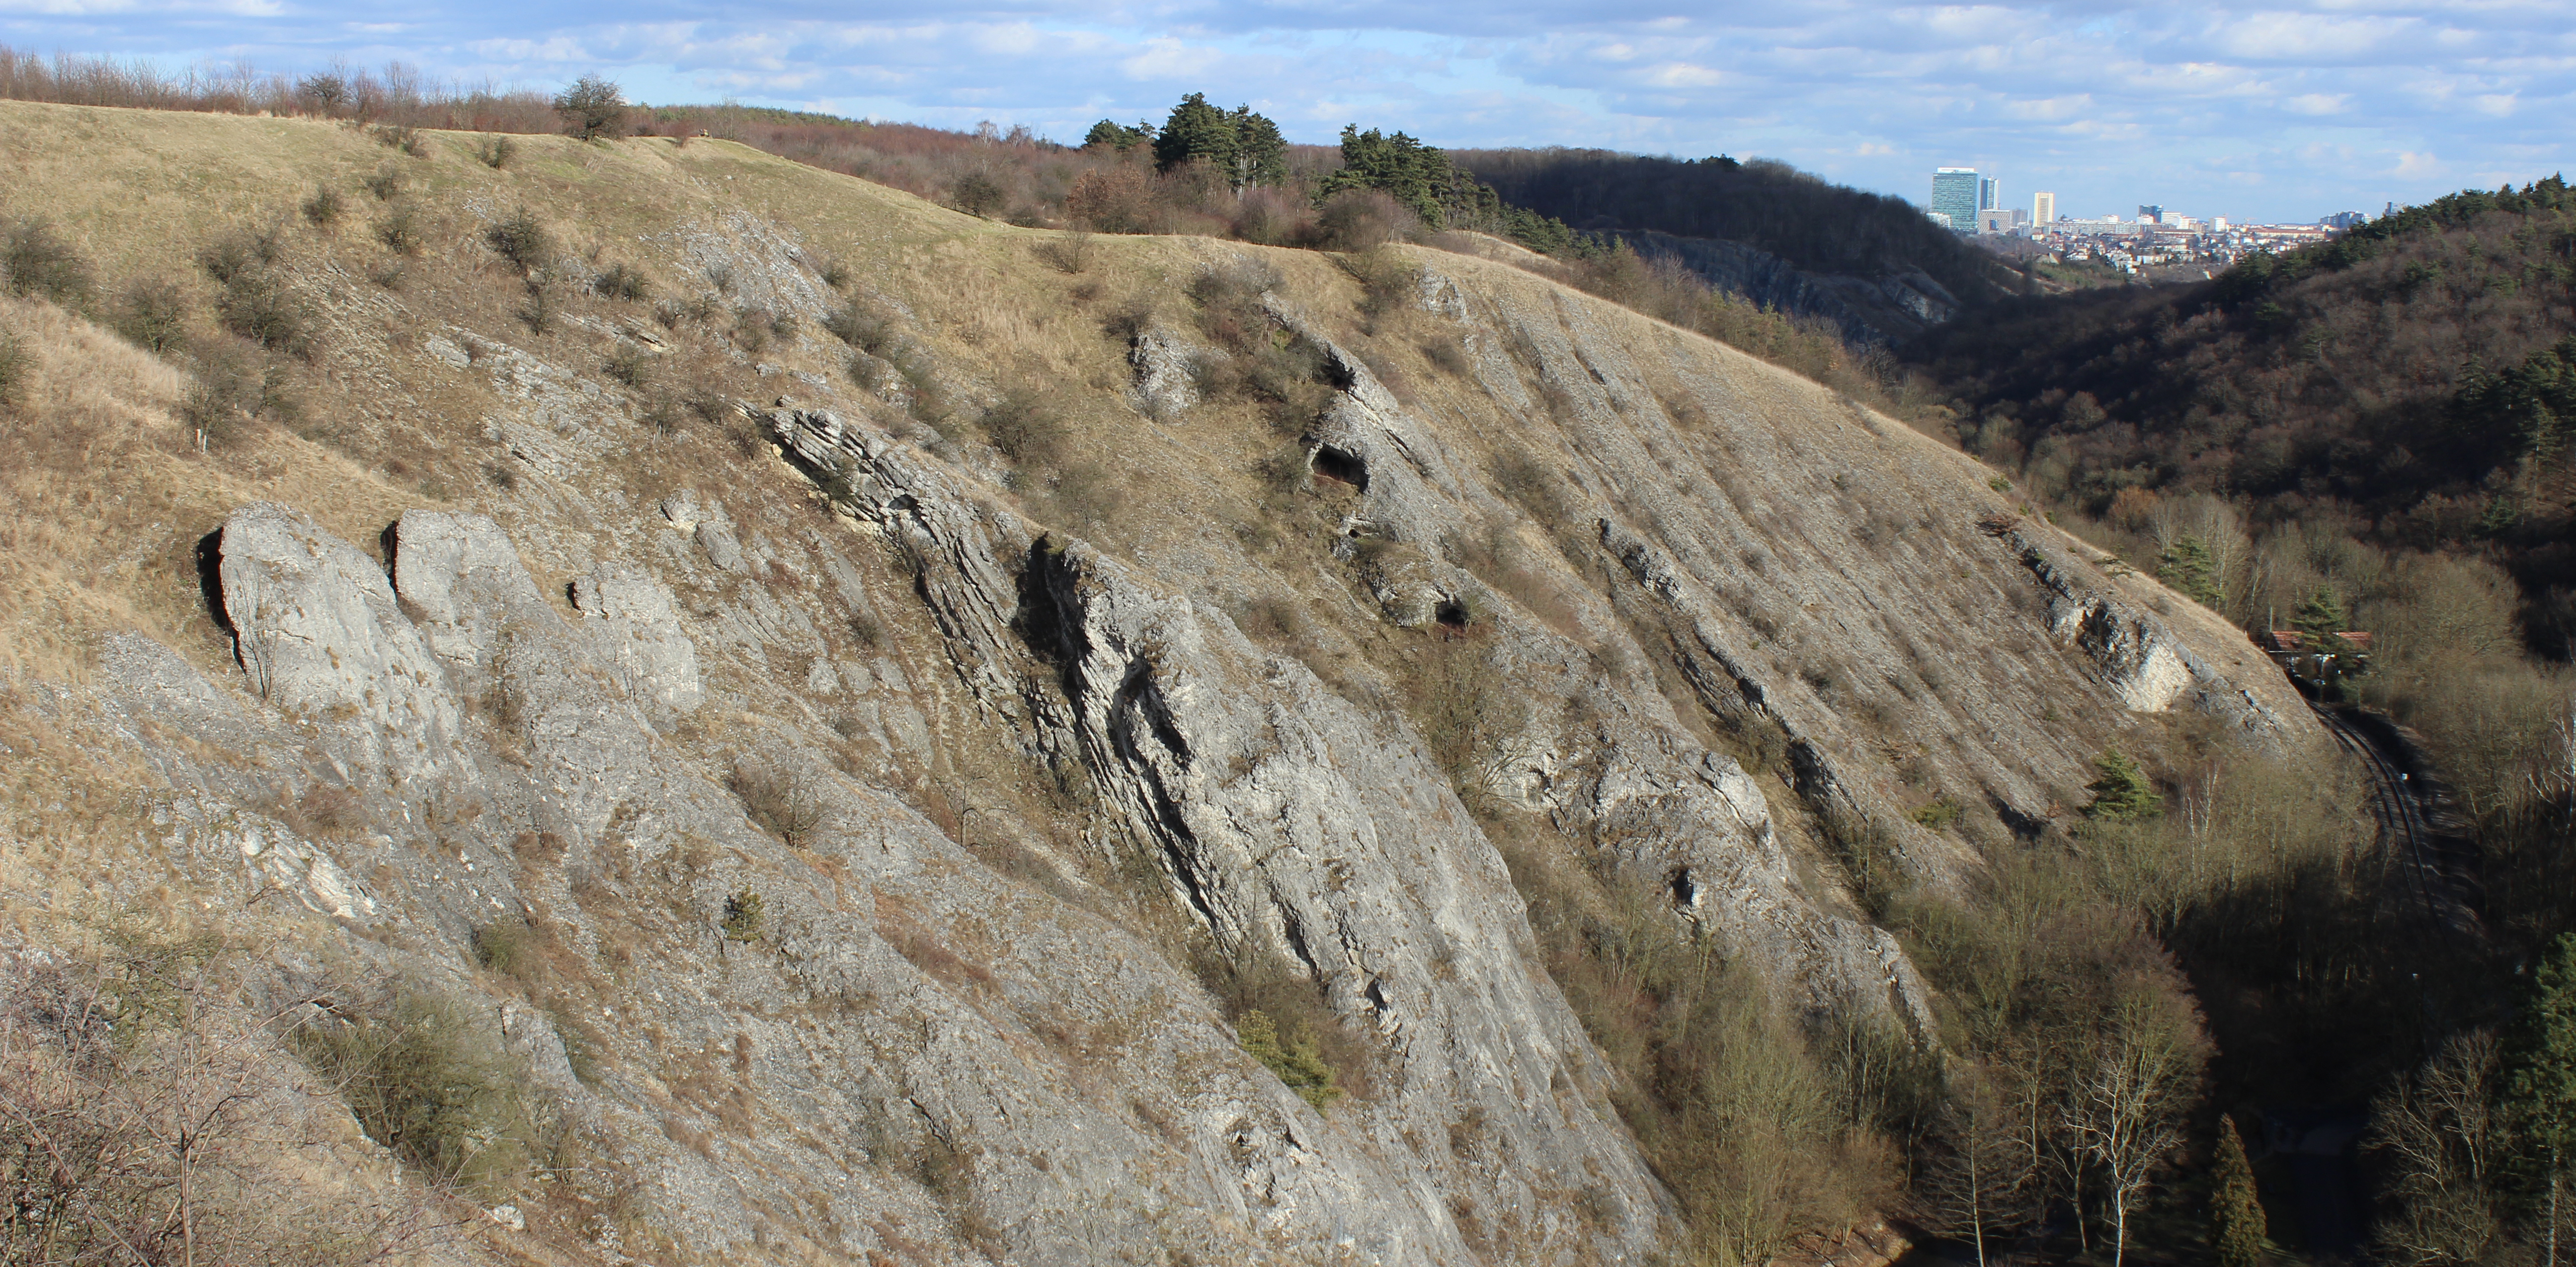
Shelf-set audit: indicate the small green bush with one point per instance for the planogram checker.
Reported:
(621, 281)
(1938, 814)
(1294, 1059)
(2122, 793)
(433, 1080)
(497, 151)
(521, 240)
(629, 365)
(742, 916)
(399, 230)
(385, 184)
(323, 206)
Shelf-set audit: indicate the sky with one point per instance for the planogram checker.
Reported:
(2274, 110)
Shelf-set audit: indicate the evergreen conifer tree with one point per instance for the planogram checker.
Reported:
(2321, 617)
(1114, 135)
(1260, 152)
(1196, 131)
(1417, 175)
(2122, 794)
(2540, 1086)
(2236, 1226)
(2188, 567)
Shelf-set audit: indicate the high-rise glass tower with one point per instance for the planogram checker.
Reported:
(2043, 208)
(1989, 194)
(1954, 195)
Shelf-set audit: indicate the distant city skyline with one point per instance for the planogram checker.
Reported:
(2287, 112)
(1959, 184)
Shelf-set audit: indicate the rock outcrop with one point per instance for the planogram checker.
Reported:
(1050, 771)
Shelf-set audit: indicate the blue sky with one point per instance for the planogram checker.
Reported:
(2280, 109)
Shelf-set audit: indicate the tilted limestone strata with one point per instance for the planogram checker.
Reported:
(1717, 609)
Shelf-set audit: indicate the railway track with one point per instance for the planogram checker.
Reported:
(2436, 884)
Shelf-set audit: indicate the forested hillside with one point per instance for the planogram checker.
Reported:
(1818, 228)
(2411, 382)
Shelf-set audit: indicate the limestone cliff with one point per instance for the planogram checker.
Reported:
(926, 580)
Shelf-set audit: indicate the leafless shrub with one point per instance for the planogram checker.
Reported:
(34, 260)
(1068, 253)
(153, 312)
(431, 1078)
(1025, 428)
(786, 803)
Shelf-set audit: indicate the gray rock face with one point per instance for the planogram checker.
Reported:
(1225, 1164)
(633, 615)
(1287, 822)
(707, 524)
(462, 576)
(1164, 362)
(2144, 663)
(317, 631)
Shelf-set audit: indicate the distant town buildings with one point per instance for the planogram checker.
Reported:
(1970, 203)
(1955, 195)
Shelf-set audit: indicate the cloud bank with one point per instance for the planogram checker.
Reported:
(2283, 112)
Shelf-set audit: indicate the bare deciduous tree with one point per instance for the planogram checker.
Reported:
(2124, 1110)
(1978, 1184)
(2437, 1134)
